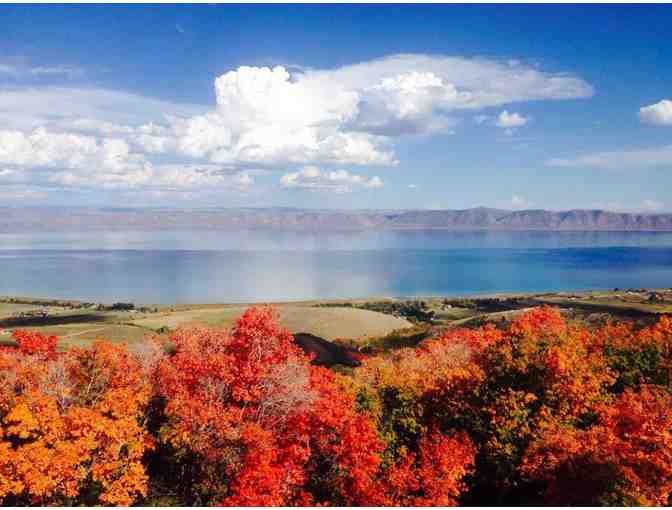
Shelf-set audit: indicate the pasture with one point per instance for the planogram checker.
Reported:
(76, 327)
(350, 321)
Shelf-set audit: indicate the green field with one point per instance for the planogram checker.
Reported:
(379, 322)
(80, 327)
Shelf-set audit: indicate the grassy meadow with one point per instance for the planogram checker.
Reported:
(383, 323)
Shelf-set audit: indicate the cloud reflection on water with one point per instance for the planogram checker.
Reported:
(242, 266)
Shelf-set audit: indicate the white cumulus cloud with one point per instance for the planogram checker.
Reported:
(42, 148)
(264, 117)
(74, 160)
(338, 181)
(510, 120)
(659, 114)
(519, 202)
(268, 118)
(409, 103)
(351, 115)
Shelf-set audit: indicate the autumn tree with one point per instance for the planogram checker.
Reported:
(423, 401)
(539, 411)
(637, 356)
(71, 424)
(253, 423)
(625, 459)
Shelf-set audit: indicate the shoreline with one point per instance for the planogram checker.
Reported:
(59, 301)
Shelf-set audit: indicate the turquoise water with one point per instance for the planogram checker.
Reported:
(227, 266)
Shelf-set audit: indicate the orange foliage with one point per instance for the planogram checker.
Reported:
(434, 476)
(446, 365)
(540, 411)
(505, 388)
(552, 361)
(625, 459)
(251, 402)
(31, 342)
(71, 425)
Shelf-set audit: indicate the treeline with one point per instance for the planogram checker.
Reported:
(542, 412)
(76, 305)
(416, 311)
(65, 303)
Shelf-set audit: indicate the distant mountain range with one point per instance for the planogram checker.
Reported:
(480, 218)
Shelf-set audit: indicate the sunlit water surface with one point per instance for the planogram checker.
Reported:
(200, 266)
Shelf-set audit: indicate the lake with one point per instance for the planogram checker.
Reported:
(201, 266)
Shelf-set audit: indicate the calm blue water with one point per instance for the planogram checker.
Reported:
(225, 266)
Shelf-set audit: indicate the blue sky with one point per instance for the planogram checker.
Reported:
(440, 106)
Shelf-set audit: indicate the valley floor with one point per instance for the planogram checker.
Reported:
(357, 322)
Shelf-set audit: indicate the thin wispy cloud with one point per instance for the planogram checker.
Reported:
(22, 68)
(619, 159)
